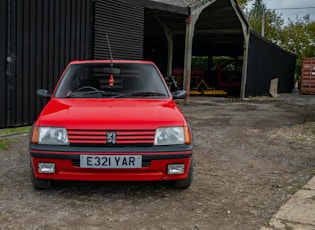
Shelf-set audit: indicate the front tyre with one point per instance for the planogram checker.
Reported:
(39, 183)
(185, 183)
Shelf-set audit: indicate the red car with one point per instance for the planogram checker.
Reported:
(110, 120)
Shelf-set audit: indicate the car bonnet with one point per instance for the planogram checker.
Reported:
(111, 113)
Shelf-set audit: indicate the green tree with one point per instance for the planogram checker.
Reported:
(273, 22)
(298, 37)
(243, 3)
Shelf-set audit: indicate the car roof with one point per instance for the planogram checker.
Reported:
(110, 61)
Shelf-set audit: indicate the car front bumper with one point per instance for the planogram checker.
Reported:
(154, 164)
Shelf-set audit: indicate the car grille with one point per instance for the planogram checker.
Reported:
(123, 137)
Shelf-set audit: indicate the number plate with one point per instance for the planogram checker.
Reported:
(111, 161)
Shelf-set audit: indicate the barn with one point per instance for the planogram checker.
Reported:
(38, 39)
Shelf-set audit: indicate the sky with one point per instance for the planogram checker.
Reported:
(286, 13)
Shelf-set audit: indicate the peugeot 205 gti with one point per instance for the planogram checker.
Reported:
(111, 120)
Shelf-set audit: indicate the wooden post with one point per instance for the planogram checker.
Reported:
(195, 11)
(170, 55)
(246, 34)
(190, 27)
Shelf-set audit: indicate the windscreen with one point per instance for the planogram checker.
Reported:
(118, 80)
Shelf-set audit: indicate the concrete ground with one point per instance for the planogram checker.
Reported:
(298, 212)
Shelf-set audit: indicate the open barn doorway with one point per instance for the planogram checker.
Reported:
(213, 75)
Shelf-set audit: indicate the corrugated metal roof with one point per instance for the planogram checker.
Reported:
(182, 3)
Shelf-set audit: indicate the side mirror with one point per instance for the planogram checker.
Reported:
(43, 93)
(179, 94)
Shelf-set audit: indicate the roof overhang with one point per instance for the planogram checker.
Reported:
(219, 29)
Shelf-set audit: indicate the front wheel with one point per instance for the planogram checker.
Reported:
(185, 183)
(39, 183)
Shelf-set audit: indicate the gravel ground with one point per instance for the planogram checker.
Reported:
(250, 157)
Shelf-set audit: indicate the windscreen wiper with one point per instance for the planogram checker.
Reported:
(139, 94)
(80, 94)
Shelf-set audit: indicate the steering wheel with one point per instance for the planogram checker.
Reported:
(86, 88)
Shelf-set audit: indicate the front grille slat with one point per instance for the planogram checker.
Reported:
(130, 133)
(135, 137)
(86, 132)
(133, 142)
(87, 142)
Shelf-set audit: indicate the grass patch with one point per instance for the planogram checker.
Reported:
(12, 131)
(3, 145)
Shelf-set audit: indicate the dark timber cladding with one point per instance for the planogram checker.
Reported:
(40, 38)
(266, 61)
(123, 23)
(3, 62)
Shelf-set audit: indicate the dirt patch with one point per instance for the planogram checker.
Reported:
(250, 157)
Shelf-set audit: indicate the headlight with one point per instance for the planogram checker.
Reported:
(172, 136)
(50, 136)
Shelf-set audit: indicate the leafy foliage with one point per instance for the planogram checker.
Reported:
(299, 37)
(273, 22)
(243, 3)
